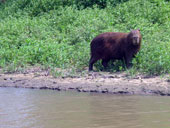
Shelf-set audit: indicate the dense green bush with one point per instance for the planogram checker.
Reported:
(57, 33)
(34, 8)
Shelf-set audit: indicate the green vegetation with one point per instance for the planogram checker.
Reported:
(57, 33)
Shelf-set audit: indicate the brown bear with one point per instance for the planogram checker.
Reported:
(115, 45)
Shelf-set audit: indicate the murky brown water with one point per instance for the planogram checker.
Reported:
(26, 108)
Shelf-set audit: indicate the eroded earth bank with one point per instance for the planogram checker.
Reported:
(117, 83)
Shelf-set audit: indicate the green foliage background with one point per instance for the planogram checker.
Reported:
(57, 33)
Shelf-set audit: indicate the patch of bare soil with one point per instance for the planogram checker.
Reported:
(115, 83)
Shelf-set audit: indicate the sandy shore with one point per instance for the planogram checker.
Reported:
(116, 83)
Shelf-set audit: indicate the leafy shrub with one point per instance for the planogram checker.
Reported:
(58, 34)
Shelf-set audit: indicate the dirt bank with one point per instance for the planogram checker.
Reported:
(117, 83)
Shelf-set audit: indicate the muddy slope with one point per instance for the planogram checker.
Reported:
(117, 83)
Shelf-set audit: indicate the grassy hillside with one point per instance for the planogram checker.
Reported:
(57, 33)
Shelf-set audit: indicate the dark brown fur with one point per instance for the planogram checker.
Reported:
(115, 45)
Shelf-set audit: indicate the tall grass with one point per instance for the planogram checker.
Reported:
(57, 33)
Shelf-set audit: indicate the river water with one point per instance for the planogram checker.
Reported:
(27, 108)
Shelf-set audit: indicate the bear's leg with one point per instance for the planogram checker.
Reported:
(91, 62)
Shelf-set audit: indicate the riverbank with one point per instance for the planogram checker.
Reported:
(100, 82)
